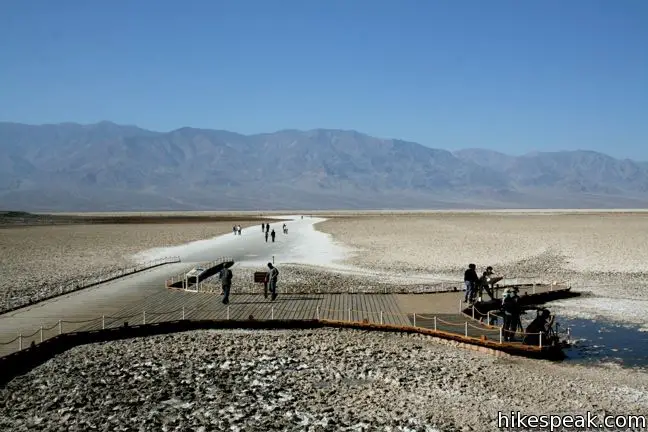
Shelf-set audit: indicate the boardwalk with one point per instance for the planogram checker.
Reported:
(433, 311)
(166, 305)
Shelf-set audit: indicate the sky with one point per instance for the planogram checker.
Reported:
(511, 76)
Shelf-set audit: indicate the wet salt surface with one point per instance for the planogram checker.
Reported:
(606, 343)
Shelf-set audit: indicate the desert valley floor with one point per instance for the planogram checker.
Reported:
(286, 380)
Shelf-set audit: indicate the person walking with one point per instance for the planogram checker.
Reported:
(266, 236)
(263, 227)
(239, 229)
(273, 234)
(285, 230)
(226, 281)
(273, 275)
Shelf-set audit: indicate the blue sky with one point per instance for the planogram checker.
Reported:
(514, 76)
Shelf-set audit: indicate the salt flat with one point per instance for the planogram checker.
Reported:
(42, 257)
(521, 243)
(600, 252)
(319, 380)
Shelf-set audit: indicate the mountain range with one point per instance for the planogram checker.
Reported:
(110, 167)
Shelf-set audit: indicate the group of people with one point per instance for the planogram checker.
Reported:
(236, 229)
(265, 228)
(475, 285)
(270, 282)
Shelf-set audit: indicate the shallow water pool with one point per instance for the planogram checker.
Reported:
(606, 343)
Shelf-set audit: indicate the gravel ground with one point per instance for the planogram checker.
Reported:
(311, 380)
(41, 258)
(304, 279)
(596, 249)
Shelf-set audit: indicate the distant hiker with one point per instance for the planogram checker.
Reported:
(470, 281)
(285, 230)
(263, 227)
(234, 229)
(266, 236)
(239, 229)
(273, 234)
(267, 228)
(226, 281)
(273, 275)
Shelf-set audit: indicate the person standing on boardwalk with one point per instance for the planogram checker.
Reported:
(273, 275)
(226, 281)
(470, 281)
(273, 234)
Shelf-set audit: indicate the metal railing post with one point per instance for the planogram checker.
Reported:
(41, 334)
(143, 317)
(488, 319)
(473, 311)
(501, 330)
(183, 312)
(414, 319)
(381, 317)
(60, 324)
(272, 312)
(540, 340)
(568, 334)
(435, 323)
(20, 342)
(103, 322)
(466, 328)
(349, 314)
(460, 303)
(228, 312)
(317, 314)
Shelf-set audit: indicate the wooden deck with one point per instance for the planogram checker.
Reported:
(169, 305)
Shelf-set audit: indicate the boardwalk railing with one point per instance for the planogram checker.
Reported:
(188, 283)
(492, 319)
(465, 329)
(212, 285)
(27, 297)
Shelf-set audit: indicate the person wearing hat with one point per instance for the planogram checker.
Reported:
(511, 315)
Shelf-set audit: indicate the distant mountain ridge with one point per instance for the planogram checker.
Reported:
(110, 167)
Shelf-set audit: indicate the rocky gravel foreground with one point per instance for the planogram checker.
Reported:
(316, 380)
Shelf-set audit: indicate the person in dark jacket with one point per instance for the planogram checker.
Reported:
(470, 281)
(273, 234)
(273, 275)
(226, 281)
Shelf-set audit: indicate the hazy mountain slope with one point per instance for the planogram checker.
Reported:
(111, 167)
